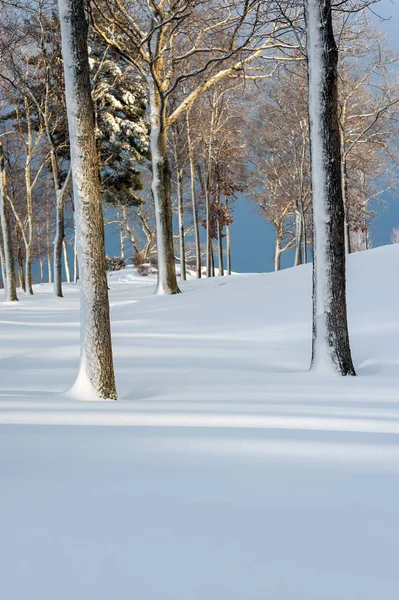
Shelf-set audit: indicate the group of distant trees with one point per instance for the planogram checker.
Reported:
(192, 104)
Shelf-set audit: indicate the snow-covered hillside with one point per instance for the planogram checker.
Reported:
(225, 471)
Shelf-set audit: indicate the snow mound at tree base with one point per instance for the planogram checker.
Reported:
(226, 470)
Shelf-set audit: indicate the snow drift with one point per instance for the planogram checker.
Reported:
(226, 470)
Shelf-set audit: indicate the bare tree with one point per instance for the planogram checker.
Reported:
(96, 366)
(175, 42)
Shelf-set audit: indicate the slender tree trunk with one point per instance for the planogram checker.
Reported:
(122, 241)
(66, 261)
(75, 261)
(298, 238)
(277, 252)
(58, 242)
(49, 267)
(3, 264)
(220, 249)
(21, 272)
(96, 376)
(330, 348)
(209, 249)
(180, 209)
(41, 270)
(9, 268)
(194, 200)
(161, 191)
(30, 237)
(48, 242)
(228, 249)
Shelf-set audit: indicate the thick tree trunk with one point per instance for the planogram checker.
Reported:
(96, 375)
(330, 348)
(9, 279)
(161, 191)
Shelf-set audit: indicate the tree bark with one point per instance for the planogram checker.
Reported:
(3, 264)
(30, 236)
(228, 249)
(220, 248)
(9, 279)
(75, 262)
(180, 206)
(66, 261)
(330, 347)
(277, 251)
(58, 242)
(161, 191)
(182, 243)
(194, 200)
(298, 238)
(96, 375)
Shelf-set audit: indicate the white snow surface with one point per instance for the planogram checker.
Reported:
(226, 471)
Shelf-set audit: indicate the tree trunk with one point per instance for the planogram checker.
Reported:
(9, 279)
(41, 270)
(122, 241)
(58, 242)
(330, 347)
(277, 251)
(228, 249)
(66, 261)
(161, 191)
(298, 238)
(96, 375)
(3, 264)
(220, 249)
(75, 261)
(194, 201)
(183, 276)
(29, 244)
(21, 271)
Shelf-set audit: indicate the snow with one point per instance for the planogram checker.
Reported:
(226, 470)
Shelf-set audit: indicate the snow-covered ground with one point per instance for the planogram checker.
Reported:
(225, 471)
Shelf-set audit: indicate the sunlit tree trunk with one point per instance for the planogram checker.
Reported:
(194, 200)
(7, 244)
(96, 376)
(161, 191)
(330, 349)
